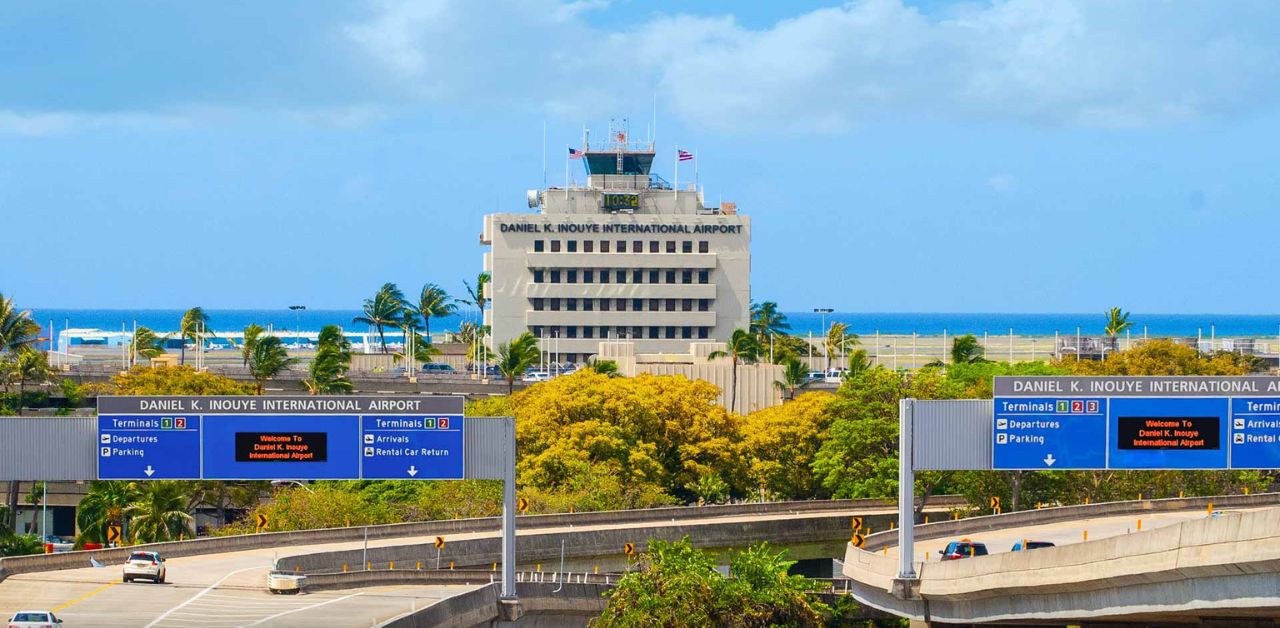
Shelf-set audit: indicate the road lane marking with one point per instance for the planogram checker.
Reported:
(198, 595)
(86, 595)
(304, 608)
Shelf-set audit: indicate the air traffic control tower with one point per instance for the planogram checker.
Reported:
(628, 256)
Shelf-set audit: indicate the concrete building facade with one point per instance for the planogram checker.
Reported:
(628, 257)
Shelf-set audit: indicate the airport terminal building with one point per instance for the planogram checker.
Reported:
(626, 257)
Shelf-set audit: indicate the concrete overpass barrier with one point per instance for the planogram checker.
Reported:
(540, 605)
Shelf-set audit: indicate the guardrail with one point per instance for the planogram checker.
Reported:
(213, 545)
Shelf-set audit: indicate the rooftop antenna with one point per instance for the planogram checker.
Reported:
(653, 137)
(544, 154)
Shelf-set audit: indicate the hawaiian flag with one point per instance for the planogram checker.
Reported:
(684, 155)
(575, 154)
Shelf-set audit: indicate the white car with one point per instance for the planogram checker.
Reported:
(144, 565)
(536, 376)
(33, 619)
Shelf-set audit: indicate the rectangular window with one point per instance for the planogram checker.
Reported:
(653, 246)
(555, 246)
(572, 331)
(703, 276)
(685, 332)
(555, 305)
(604, 276)
(573, 246)
(671, 276)
(686, 305)
(620, 305)
(704, 305)
(622, 246)
(555, 276)
(685, 247)
(537, 246)
(537, 276)
(671, 332)
(637, 305)
(637, 332)
(588, 305)
(637, 276)
(653, 276)
(671, 305)
(588, 246)
(604, 332)
(604, 246)
(653, 332)
(604, 305)
(704, 246)
(588, 331)
(653, 305)
(537, 305)
(572, 305)
(620, 276)
(671, 246)
(589, 276)
(537, 330)
(573, 276)
(702, 333)
(686, 276)
(637, 246)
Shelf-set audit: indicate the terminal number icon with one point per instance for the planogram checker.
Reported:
(1077, 406)
(1091, 406)
(443, 423)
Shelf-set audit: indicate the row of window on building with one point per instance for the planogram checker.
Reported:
(620, 246)
(604, 275)
(621, 332)
(622, 305)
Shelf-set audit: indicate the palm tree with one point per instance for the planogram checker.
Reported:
(967, 350)
(477, 292)
(329, 368)
(473, 335)
(34, 497)
(146, 344)
(839, 341)
(159, 513)
(103, 505)
(608, 368)
(252, 332)
(742, 347)
(269, 357)
(434, 301)
(30, 365)
(794, 375)
(17, 330)
(1117, 323)
(859, 362)
(193, 324)
(767, 321)
(384, 309)
(516, 356)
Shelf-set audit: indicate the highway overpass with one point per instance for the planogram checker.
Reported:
(1185, 566)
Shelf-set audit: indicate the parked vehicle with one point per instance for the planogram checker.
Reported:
(34, 619)
(964, 548)
(1017, 547)
(536, 376)
(145, 565)
(816, 376)
(437, 368)
(834, 376)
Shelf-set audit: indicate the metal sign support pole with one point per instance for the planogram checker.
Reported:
(509, 511)
(906, 493)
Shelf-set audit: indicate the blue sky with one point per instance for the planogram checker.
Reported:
(1025, 156)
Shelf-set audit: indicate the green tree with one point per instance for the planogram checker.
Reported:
(159, 512)
(224, 496)
(678, 586)
(146, 344)
(516, 356)
(104, 505)
(1117, 322)
(473, 335)
(194, 323)
(252, 333)
(859, 362)
(35, 495)
(30, 365)
(967, 349)
(328, 370)
(608, 368)
(779, 444)
(767, 321)
(385, 309)
(175, 380)
(839, 341)
(269, 359)
(434, 301)
(477, 296)
(794, 376)
(17, 330)
(742, 347)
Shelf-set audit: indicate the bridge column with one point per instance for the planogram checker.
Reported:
(906, 493)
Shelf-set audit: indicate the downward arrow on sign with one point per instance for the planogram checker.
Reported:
(413, 470)
(1048, 460)
(148, 470)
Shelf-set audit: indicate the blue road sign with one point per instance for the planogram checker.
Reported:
(1168, 432)
(281, 447)
(1255, 433)
(412, 447)
(1049, 433)
(144, 447)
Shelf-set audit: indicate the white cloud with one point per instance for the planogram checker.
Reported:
(1059, 62)
(36, 124)
(1002, 182)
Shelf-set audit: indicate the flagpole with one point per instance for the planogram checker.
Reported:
(696, 181)
(676, 185)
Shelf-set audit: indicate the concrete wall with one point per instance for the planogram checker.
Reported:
(754, 382)
(540, 604)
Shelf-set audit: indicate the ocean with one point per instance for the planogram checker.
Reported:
(802, 323)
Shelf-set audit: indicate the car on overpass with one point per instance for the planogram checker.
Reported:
(1019, 546)
(964, 548)
(34, 619)
(145, 566)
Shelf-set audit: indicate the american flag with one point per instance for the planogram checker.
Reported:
(684, 155)
(575, 154)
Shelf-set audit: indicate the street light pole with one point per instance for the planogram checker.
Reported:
(297, 323)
